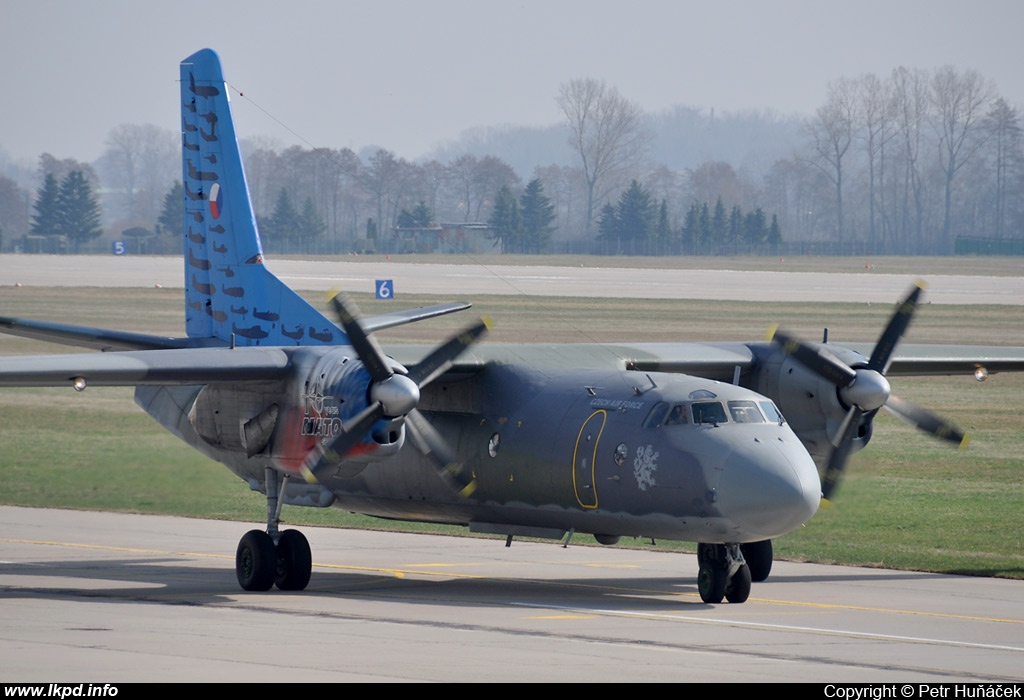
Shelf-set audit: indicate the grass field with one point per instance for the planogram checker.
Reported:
(909, 502)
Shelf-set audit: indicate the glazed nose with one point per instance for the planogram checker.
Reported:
(769, 486)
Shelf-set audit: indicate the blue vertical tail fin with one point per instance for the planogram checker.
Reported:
(229, 293)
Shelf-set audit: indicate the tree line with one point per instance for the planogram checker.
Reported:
(903, 164)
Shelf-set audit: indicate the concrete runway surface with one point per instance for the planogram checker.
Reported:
(101, 597)
(458, 281)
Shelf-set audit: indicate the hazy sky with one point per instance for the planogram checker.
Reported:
(407, 74)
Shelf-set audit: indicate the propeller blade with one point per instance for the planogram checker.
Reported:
(366, 347)
(841, 452)
(818, 360)
(893, 333)
(430, 442)
(927, 421)
(353, 432)
(442, 357)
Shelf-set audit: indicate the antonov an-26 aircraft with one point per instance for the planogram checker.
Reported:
(721, 444)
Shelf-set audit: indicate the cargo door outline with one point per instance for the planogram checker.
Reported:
(584, 459)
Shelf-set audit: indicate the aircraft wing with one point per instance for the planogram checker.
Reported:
(150, 367)
(923, 360)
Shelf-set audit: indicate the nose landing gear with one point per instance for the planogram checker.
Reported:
(723, 573)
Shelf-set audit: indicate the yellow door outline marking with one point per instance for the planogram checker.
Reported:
(591, 501)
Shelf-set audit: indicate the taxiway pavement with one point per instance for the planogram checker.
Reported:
(107, 598)
(457, 281)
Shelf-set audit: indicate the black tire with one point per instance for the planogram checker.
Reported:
(294, 561)
(256, 561)
(758, 556)
(738, 588)
(711, 582)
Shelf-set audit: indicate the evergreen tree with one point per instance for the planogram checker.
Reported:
(608, 224)
(756, 228)
(46, 219)
(285, 223)
(636, 214)
(736, 224)
(79, 210)
(774, 232)
(506, 223)
(704, 226)
(663, 231)
(691, 227)
(419, 217)
(537, 213)
(311, 226)
(719, 224)
(170, 220)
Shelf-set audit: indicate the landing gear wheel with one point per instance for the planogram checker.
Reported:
(738, 588)
(758, 556)
(294, 561)
(711, 582)
(256, 561)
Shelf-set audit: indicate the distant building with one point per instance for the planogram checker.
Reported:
(445, 238)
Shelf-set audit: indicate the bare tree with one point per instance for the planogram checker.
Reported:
(142, 161)
(910, 91)
(831, 131)
(959, 100)
(877, 115)
(1006, 138)
(605, 129)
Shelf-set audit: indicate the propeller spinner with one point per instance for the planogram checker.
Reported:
(395, 394)
(864, 389)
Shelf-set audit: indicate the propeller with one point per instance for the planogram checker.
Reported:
(864, 389)
(395, 394)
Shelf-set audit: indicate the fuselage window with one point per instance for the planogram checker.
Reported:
(709, 412)
(745, 412)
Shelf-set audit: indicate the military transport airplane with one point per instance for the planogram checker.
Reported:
(719, 444)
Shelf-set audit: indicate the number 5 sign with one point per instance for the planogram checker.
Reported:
(385, 289)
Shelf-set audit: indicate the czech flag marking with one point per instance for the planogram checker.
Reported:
(216, 200)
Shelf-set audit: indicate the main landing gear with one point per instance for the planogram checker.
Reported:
(723, 573)
(264, 559)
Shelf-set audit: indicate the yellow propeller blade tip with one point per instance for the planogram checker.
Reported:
(469, 490)
(771, 331)
(308, 475)
(921, 284)
(964, 443)
(331, 293)
(488, 322)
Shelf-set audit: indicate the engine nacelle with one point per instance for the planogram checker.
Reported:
(811, 405)
(336, 390)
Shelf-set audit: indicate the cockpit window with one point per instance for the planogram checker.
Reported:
(677, 416)
(773, 413)
(745, 412)
(709, 412)
(657, 415)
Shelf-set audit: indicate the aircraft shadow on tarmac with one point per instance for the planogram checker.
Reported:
(165, 579)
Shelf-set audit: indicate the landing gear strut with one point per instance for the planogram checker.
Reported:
(273, 557)
(723, 573)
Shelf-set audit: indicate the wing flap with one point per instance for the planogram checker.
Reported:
(150, 367)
